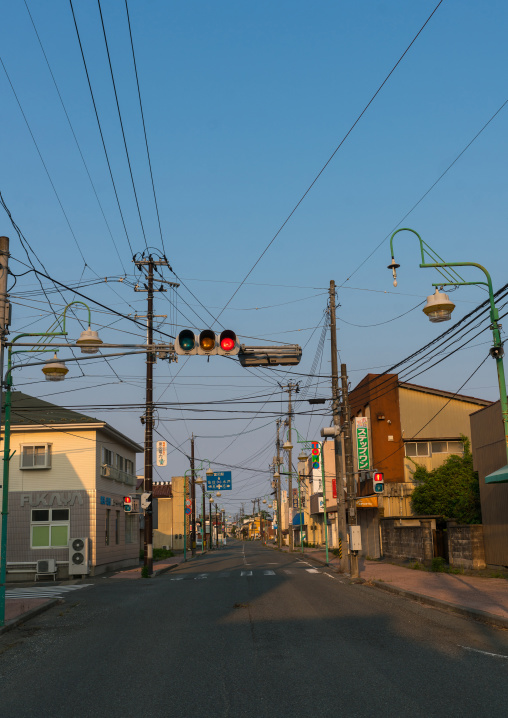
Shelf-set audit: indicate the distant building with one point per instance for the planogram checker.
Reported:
(68, 477)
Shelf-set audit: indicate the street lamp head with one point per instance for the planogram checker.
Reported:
(264, 501)
(439, 308)
(89, 341)
(287, 446)
(303, 457)
(209, 472)
(218, 494)
(394, 266)
(276, 475)
(198, 480)
(212, 499)
(54, 370)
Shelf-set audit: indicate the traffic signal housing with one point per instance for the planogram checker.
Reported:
(207, 343)
(378, 482)
(146, 501)
(127, 504)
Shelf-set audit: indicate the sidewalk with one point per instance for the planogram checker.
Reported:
(158, 567)
(472, 596)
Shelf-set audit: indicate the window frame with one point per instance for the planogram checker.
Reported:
(47, 456)
(51, 524)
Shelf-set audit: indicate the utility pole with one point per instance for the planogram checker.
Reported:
(350, 471)
(149, 264)
(341, 504)
(193, 501)
(4, 324)
(279, 514)
(290, 388)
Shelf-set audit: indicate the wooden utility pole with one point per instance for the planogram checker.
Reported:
(341, 504)
(193, 501)
(279, 512)
(350, 470)
(148, 263)
(290, 388)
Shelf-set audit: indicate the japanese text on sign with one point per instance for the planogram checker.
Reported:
(162, 453)
(362, 443)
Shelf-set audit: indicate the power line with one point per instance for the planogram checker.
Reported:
(323, 168)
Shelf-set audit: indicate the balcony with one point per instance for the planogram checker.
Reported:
(111, 472)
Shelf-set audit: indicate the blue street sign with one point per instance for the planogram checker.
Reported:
(219, 481)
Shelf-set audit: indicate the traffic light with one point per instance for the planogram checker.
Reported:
(146, 501)
(127, 504)
(378, 481)
(207, 343)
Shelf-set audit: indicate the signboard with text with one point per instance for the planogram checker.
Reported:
(219, 481)
(362, 443)
(162, 453)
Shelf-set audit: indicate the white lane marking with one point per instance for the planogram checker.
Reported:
(269, 573)
(485, 653)
(287, 570)
(246, 573)
(201, 575)
(43, 591)
(312, 570)
(176, 578)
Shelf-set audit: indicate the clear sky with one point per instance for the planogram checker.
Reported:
(244, 103)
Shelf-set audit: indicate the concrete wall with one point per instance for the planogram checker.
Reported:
(465, 545)
(409, 539)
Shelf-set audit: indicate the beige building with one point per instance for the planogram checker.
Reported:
(170, 499)
(68, 476)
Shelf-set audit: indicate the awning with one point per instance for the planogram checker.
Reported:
(298, 519)
(498, 477)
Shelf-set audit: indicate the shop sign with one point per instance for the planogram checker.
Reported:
(49, 498)
(162, 453)
(366, 502)
(316, 466)
(362, 443)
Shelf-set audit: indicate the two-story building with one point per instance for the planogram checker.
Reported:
(68, 475)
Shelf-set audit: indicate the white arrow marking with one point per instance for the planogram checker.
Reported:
(269, 573)
(246, 573)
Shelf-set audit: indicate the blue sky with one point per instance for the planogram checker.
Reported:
(244, 103)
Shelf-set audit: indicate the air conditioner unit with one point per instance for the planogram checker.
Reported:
(46, 565)
(78, 557)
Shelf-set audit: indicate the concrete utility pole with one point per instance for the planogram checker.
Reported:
(341, 504)
(4, 324)
(290, 388)
(193, 501)
(150, 264)
(279, 513)
(350, 470)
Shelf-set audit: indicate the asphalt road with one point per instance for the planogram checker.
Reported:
(249, 632)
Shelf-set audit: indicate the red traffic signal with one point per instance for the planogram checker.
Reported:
(207, 343)
(127, 504)
(378, 481)
(228, 343)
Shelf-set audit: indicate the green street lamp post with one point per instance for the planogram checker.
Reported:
(439, 308)
(198, 481)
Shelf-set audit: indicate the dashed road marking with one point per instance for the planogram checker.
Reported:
(201, 575)
(312, 570)
(176, 578)
(268, 572)
(246, 573)
(485, 653)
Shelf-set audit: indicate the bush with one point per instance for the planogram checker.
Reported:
(144, 572)
(452, 490)
(160, 553)
(438, 564)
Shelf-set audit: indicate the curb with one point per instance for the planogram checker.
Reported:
(15, 622)
(160, 571)
(473, 613)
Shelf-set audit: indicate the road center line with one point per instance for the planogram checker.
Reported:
(485, 653)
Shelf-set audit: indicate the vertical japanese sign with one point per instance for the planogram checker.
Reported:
(162, 453)
(362, 443)
(295, 498)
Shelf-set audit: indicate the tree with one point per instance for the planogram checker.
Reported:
(452, 490)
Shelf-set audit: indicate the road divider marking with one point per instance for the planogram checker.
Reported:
(176, 578)
(246, 573)
(485, 653)
(268, 572)
(312, 570)
(201, 575)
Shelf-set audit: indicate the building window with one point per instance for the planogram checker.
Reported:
(108, 517)
(117, 528)
(119, 462)
(35, 456)
(426, 448)
(417, 448)
(131, 526)
(129, 466)
(107, 457)
(49, 528)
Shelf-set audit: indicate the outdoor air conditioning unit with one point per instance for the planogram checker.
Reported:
(78, 557)
(46, 565)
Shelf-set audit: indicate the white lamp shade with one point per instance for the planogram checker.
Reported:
(89, 341)
(287, 446)
(54, 370)
(439, 308)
